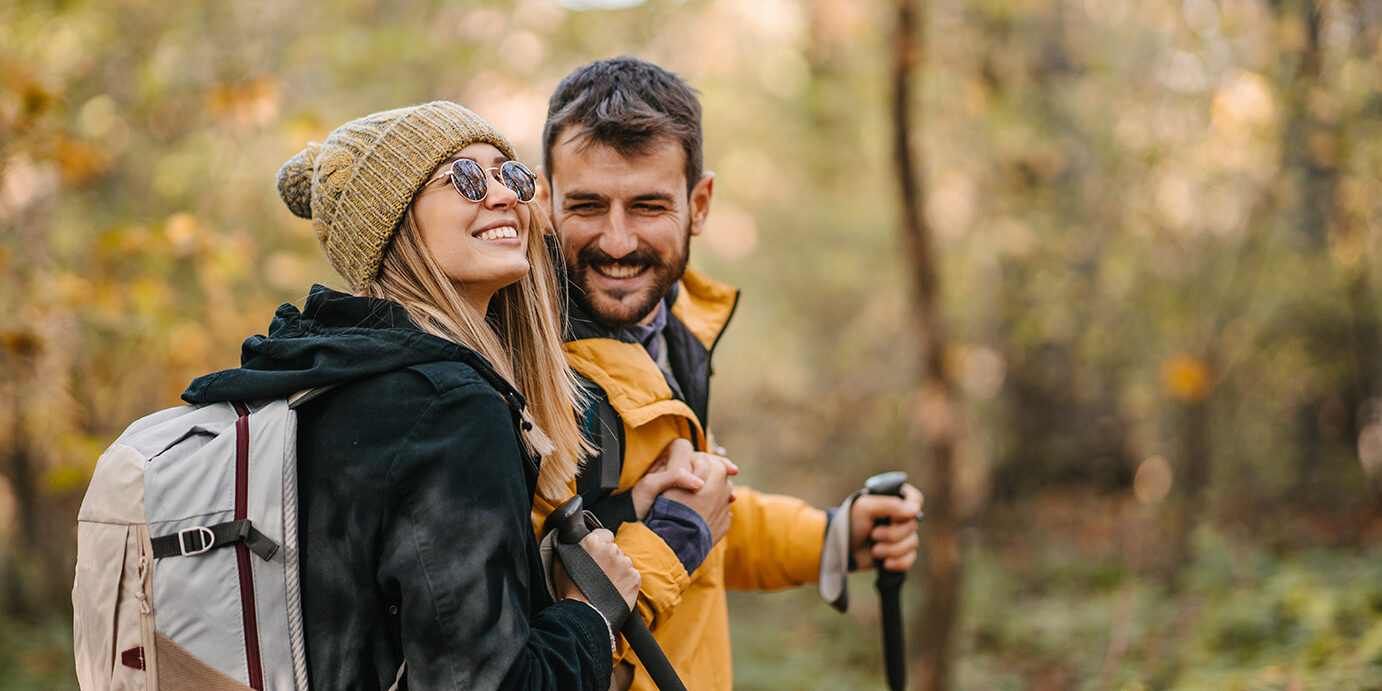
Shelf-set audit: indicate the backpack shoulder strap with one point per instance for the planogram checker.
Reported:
(605, 429)
(599, 476)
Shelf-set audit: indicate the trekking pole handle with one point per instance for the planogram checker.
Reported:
(888, 484)
(889, 586)
(569, 520)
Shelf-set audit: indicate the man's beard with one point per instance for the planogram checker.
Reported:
(620, 310)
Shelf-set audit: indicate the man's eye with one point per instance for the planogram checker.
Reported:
(583, 208)
(649, 208)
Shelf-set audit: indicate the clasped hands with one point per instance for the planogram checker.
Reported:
(699, 480)
(702, 482)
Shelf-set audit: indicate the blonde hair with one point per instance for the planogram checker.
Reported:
(521, 337)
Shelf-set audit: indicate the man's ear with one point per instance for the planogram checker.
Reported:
(543, 197)
(700, 201)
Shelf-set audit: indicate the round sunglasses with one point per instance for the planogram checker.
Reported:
(471, 179)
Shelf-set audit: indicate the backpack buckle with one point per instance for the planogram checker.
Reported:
(204, 537)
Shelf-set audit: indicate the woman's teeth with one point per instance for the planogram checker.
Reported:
(499, 233)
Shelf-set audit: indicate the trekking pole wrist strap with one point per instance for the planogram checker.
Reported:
(836, 557)
(594, 584)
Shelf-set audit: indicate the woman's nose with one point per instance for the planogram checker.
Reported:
(499, 196)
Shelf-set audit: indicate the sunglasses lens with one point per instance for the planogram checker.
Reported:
(469, 179)
(518, 178)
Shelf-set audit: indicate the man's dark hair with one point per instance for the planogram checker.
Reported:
(628, 105)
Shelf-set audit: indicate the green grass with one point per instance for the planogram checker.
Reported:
(1243, 618)
(1040, 611)
(36, 656)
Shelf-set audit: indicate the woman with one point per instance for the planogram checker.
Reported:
(442, 404)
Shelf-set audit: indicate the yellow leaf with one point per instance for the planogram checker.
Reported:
(80, 160)
(150, 295)
(61, 480)
(250, 103)
(1185, 377)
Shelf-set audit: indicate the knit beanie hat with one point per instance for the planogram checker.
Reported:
(357, 185)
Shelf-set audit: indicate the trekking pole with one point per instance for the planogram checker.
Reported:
(569, 520)
(890, 589)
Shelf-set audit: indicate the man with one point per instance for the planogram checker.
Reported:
(624, 182)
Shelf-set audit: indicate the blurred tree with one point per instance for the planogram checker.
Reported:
(1158, 226)
(936, 412)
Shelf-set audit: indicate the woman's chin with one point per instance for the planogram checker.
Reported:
(500, 278)
(519, 269)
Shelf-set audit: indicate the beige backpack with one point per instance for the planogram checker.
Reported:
(187, 573)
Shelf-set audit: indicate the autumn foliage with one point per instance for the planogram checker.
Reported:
(1158, 235)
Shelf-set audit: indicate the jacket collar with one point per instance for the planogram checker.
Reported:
(705, 306)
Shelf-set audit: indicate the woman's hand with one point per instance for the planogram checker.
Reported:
(599, 544)
(712, 501)
(675, 468)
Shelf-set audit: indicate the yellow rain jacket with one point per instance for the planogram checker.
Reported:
(773, 542)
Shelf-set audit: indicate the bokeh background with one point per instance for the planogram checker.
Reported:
(1158, 236)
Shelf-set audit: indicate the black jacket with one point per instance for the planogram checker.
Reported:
(414, 501)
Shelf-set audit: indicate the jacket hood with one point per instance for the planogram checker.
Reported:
(334, 338)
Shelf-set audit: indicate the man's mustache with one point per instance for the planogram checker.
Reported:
(594, 256)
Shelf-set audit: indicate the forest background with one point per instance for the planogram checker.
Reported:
(1157, 235)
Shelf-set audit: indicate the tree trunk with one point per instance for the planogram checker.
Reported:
(1186, 504)
(935, 416)
(19, 470)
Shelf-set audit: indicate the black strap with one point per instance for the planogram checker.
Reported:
(611, 456)
(599, 476)
(594, 584)
(603, 596)
(614, 510)
(199, 539)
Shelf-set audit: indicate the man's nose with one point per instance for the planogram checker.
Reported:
(618, 238)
